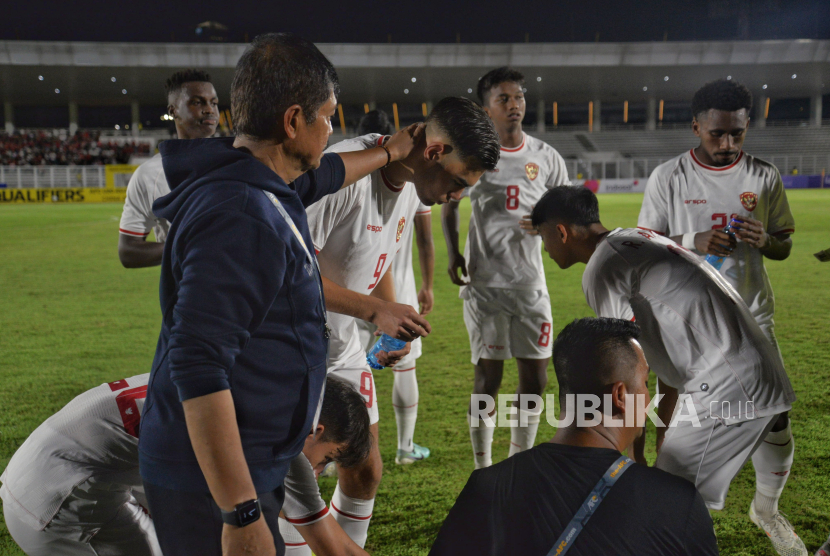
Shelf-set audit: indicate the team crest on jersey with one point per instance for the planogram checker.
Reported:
(401, 223)
(532, 170)
(749, 200)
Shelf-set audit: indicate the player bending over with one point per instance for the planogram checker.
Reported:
(73, 487)
(358, 232)
(194, 107)
(700, 338)
(506, 301)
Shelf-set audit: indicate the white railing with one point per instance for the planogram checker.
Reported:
(48, 177)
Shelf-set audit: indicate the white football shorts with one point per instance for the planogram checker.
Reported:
(503, 324)
(354, 370)
(711, 455)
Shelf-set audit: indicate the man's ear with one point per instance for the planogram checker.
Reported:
(291, 120)
(618, 392)
(436, 150)
(171, 111)
(317, 434)
(695, 127)
(564, 232)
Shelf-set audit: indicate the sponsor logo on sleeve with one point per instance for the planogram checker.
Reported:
(532, 170)
(749, 200)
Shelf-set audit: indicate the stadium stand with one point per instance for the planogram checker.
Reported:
(35, 148)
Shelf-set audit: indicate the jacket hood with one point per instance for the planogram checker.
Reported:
(192, 163)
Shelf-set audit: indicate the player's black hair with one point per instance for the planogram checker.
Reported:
(346, 421)
(175, 82)
(469, 130)
(278, 71)
(590, 353)
(495, 77)
(376, 121)
(570, 204)
(726, 95)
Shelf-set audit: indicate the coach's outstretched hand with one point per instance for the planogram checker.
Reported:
(402, 143)
(400, 321)
(391, 358)
(715, 242)
(526, 224)
(254, 540)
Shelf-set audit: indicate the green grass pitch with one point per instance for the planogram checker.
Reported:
(72, 318)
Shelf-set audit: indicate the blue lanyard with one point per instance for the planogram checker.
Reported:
(311, 264)
(595, 498)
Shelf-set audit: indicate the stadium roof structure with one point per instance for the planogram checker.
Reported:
(120, 73)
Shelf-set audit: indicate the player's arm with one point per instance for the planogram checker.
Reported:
(450, 222)
(137, 252)
(776, 247)
(426, 256)
(327, 538)
(397, 320)
(362, 163)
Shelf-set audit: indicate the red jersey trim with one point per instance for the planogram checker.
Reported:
(404, 371)
(129, 233)
(650, 230)
(517, 149)
(310, 519)
(780, 232)
(699, 163)
(350, 516)
(424, 212)
(296, 544)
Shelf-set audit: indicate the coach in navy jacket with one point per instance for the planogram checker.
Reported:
(241, 358)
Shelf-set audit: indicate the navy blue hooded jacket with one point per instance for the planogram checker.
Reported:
(242, 309)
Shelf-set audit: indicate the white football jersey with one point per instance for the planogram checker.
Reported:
(697, 333)
(683, 196)
(95, 436)
(402, 267)
(357, 232)
(303, 504)
(147, 184)
(499, 254)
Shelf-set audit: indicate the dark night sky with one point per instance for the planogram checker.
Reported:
(419, 21)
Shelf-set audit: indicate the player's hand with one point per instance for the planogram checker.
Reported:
(426, 299)
(401, 321)
(391, 359)
(402, 143)
(715, 242)
(527, 226)
(254, 540)
(752, 232)
(457, 261)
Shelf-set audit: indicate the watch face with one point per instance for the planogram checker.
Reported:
(248, 512)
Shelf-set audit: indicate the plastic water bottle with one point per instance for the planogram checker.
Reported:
(386, 343)
(715, 260)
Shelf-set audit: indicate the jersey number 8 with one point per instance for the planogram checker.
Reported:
(512, 202)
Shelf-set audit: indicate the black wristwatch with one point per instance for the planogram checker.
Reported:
(243, 514)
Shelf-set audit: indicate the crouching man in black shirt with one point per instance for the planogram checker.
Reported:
(522, 505)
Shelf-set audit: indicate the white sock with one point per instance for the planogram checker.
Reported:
(353, 515)
(295, 545)
(522, 438)
(482, 440)
(772, 461)
(405, 402)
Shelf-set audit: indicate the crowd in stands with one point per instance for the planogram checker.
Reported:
(34, 148)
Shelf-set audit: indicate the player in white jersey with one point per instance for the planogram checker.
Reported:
(357, 233)
(692, 197)
(405, 385)
(73, 487)
(699, 337)
(194, 107)
(506, 301)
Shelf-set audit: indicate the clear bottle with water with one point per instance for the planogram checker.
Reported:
(716, 260)
(385, 343)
